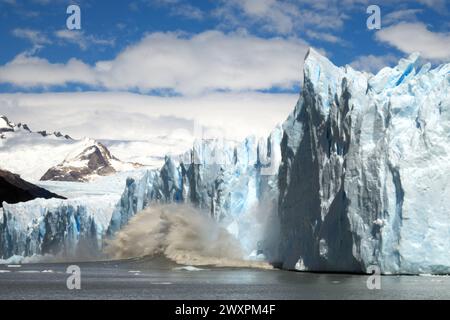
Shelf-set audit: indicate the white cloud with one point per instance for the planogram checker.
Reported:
(323, 36)
(82, 40)
(411, 37)
(406, 15)
(29, 71)
(207, 61)
(39, 38)
(187, 11)
(284, 16)
(72, 36)
(202, 62)
(181, 8)
(280, 15)
(373, 64)
(34, 36)
(130, 116)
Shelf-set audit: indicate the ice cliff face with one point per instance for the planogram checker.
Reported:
(227, 180)
(365, 170)
(67, 228)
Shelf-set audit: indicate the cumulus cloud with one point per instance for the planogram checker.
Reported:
(28, 71)
(187, 64)
(411, 37)
(207, 61)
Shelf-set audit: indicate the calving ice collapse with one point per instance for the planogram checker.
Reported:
(361, 178)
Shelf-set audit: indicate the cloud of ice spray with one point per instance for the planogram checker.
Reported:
(258, 229)
(182, 234)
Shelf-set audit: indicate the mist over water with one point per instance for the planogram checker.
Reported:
(181, 233)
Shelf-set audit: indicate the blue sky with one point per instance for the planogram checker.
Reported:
(183, 54)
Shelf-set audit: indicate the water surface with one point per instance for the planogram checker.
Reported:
(161, 279)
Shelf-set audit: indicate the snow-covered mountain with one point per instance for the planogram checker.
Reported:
(36, 155)
(28, 153)
(5, 125)
(356, 176)
(95, 160)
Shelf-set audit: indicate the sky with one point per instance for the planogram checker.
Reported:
(152, 68)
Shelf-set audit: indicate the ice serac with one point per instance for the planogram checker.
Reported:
(227, 180)
(365, 170)
(69, 229)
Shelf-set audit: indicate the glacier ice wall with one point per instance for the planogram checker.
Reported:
(365, 170)
(229, 181)
(356, 176)
(66, 228)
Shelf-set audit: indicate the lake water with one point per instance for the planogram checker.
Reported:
(161, 279)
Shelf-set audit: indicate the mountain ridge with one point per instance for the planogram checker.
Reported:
(94, 160)
(13, 189)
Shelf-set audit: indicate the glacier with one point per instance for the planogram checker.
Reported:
(356, 176)
(229, 181)
(365, 170)
(66, 228)
(223, 178)
(58, 230)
